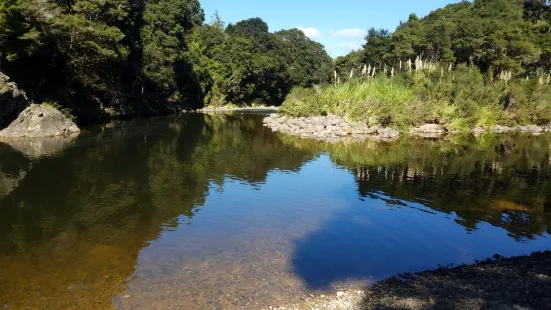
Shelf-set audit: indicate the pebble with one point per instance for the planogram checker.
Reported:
(127, 296)
(497, 284)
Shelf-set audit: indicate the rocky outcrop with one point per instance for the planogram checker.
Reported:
(38, 121)
(330, 128)
(12, 101)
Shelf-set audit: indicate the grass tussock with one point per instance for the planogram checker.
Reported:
(459, 98)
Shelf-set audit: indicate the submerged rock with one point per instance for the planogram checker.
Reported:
(38, 121)
(12, 101)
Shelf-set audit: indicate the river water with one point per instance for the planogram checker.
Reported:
(218, 212)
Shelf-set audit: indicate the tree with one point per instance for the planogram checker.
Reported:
(307, 61)
(377, 47)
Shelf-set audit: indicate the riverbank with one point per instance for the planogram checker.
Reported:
(333, 128)
(261, 109)
(522, 282)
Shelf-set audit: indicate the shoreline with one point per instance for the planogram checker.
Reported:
(521, 282)
(262, 109)
(333, 128)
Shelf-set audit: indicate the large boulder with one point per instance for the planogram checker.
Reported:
(12, 101)
(38, 121)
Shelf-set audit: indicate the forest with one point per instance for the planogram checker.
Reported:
(100, 59)
(471, 63)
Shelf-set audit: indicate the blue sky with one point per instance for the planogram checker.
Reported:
(340, 25)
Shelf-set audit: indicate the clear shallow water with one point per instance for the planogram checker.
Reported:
(207, 212)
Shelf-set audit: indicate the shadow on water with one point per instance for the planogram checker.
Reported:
(74, 223)
(423, 203)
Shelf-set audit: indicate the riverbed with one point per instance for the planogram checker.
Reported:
(219, 212)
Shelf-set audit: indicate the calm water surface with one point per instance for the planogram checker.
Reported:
(212, 212)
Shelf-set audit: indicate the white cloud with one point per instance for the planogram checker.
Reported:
(312, 33)
(350, 46)
(336, 49)
(348, 33)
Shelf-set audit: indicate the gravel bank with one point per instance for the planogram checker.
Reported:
(522, 282)
(334, 128)
(270, 109)
(330, 128)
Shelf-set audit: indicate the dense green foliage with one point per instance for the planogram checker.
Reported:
(246, 64)
(118, 58)
(495, 36)
(460, 99)
(469, 64)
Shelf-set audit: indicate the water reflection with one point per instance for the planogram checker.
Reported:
(502, 180)
(413, 193)
(186, 210)
(73, 224)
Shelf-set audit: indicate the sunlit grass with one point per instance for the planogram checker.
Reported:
(460, 99)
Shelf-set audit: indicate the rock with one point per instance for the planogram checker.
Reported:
(12, 101)
(388, 133)
(331, 128)
(341, 133)
(428, 128)
(362, 129)
(340, 295)
(126, 296)
(38, 121)
(373, 130)
(530, 129)
(478, 130)
(501, 129)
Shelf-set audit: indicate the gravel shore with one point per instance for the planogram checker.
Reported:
(522, 282)
(269, 109)
(333, 128)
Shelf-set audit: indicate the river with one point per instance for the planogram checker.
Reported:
(217, 212)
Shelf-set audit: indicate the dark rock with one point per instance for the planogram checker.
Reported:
(12, 101)
(38, 121)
